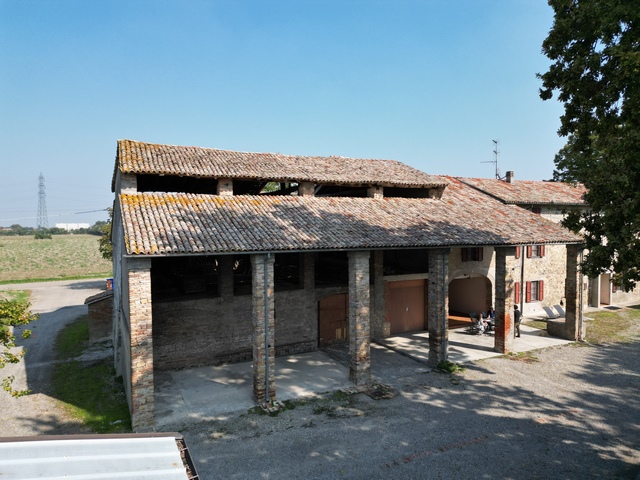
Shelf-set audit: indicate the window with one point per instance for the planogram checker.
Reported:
(534, 291)
(475, 254)
(535, 251)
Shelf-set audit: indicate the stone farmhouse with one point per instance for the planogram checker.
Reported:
(223, 256)
(542, 267)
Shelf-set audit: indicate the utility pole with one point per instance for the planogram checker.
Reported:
(43, 219)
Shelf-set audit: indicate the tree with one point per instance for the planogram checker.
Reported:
(13, 314)
(595, 49)
(104, 243)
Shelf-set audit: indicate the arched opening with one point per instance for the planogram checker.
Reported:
(470, 295)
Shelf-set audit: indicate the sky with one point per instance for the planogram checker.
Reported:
(430, 83)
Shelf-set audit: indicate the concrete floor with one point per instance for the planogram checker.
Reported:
(214, 392)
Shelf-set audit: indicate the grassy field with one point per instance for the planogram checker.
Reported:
(62, 257)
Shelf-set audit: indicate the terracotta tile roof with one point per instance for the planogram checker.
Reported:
(139, 157)
(530, 192)
(169, 223)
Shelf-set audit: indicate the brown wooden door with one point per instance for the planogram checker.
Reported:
(333, 315)
(405, 306)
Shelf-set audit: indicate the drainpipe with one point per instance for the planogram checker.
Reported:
(523, 252)
(580, 299)
(445, 289)
(266, 325)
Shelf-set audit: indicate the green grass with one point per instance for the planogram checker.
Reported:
(614, 327)
(64, 257)
(21, 296)
(73, 340)
(90, 392)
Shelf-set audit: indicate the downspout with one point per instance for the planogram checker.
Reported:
(580, 299)
(266, 325)
(445, 289)
(523, 252)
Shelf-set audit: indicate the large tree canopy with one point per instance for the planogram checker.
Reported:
(594, 46)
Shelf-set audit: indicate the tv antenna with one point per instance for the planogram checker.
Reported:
(495, 158)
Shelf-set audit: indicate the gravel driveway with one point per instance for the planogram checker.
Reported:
(566, 412)
(38, 413)
(572, 412)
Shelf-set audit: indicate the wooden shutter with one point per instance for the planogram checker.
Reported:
(465, 254)
(542, 250)
(528, 251)
(480, 253)
(541, 290)
(527, 297)
(516, 287)
(518, 252)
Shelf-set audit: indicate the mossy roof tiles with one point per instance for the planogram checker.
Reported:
(148, 158)
(528, 192)
(178, 223)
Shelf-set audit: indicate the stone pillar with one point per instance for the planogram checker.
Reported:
(306, 189)
(438, 313)
(225, 187)
(379, 328)
(141, 322)
(359, 318)
(375, 192)
(264, 352)
(574, 326)
(504, 328)
(225, 277)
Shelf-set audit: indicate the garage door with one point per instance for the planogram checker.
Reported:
(333, 313)
(405, 306)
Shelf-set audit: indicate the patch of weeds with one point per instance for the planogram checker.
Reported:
(341, 395)
(321, 409)
(447, 366)
(93, 394)
(72, 339)
(275, 409)
(378, 391)
(526, 357)
(21, 296)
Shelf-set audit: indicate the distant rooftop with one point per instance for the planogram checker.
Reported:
(530, 192)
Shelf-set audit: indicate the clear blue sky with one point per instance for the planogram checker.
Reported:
(430, 83)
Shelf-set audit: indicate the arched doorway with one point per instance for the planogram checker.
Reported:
(469, 294)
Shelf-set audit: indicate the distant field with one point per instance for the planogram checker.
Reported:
(62, 257)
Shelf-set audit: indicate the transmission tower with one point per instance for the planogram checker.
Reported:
(43, 220)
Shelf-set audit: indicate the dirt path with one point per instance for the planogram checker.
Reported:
(39, 413)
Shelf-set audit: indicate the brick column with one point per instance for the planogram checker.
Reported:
(379, 328)
(225, 277)
(359, 318)
(375, 192)
(504, 328)
(225, 187)
(140, 318)
(263, 335)
(306, 189)
(574, 326)
(438, 313)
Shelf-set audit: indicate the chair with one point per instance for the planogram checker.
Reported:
(550, 313)
(560, 310)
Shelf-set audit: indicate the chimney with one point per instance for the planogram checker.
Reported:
(510, 176)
